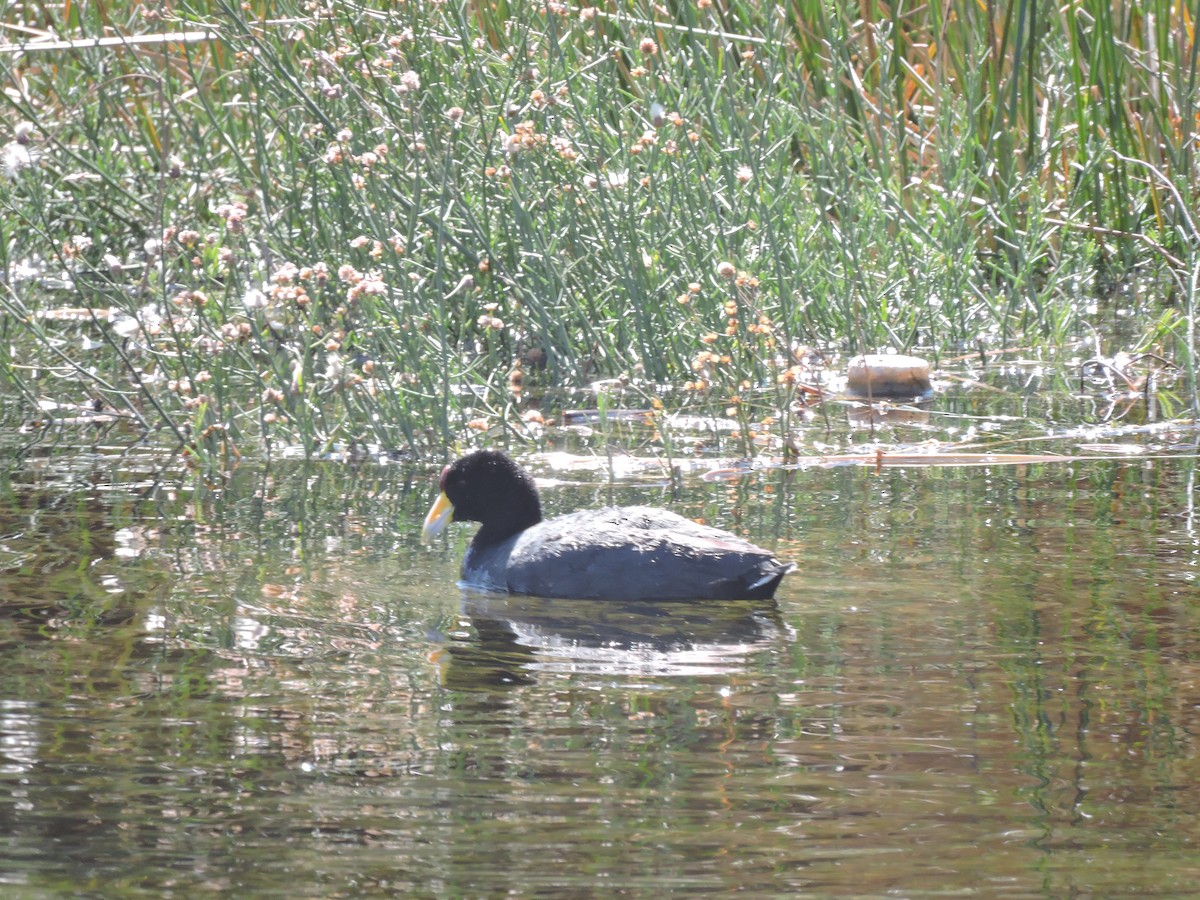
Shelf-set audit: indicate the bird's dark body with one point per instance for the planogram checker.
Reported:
(625, 553)
(628, 553)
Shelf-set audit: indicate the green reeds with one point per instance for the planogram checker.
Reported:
(361, 225)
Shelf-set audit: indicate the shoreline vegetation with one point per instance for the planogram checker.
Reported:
(318, 223)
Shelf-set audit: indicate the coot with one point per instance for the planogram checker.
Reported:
(626, 553)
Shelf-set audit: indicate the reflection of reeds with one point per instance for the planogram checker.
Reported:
(355, 226)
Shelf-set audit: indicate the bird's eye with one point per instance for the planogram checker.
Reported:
(442, 480)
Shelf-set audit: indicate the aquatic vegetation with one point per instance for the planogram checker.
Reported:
(405, 227)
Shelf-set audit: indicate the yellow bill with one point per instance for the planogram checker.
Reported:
(437, 517)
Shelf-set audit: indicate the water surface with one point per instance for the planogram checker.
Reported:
(982, 681)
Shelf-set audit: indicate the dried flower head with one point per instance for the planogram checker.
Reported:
(15, 157)
(410, 82)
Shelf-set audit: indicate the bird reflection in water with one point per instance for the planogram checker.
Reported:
(508, 639)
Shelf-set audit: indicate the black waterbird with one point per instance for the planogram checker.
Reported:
(626, 553)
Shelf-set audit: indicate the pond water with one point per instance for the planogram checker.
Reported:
(983, 681)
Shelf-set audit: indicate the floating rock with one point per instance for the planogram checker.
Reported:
(888, 375)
